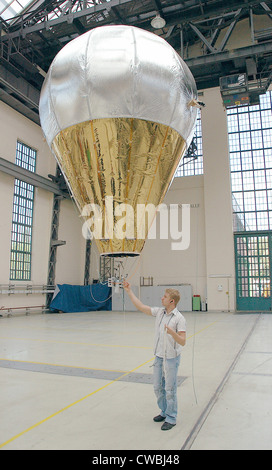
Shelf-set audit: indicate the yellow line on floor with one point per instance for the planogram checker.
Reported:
(75, 342)
(69, 406)
(205, 328)
(83, 367)
(96, 344)
(84, 398)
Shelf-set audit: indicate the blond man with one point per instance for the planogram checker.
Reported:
(170, 337)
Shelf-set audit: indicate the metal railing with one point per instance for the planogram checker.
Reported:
(9, 310)
(26, 289)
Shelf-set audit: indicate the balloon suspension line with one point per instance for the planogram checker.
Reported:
(116, 281)
(194, 322)
(120, 274)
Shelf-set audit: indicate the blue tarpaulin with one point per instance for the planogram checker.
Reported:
(68, 298)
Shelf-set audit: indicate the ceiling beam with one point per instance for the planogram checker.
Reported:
(20, 87)
(177, 13)
(31, 178)
(242, 52)
(202, 37)
(230, 30)
(267, 9)
(69, 18)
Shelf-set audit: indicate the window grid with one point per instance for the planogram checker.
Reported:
(22, 215)
(25, 157)
(191, 166)
(253, 266)
(250, 148)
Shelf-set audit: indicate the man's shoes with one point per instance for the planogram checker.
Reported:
(159, 418)
(166, 426)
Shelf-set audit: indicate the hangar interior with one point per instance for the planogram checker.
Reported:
(223, 273)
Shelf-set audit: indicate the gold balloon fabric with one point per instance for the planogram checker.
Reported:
(127, 160)
(116, 111)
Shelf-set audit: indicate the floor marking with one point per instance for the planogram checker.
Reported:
(83, 398)
(61, 365)
(207, 410)
(97, 344)
(69, 406)
(205, 328)
(82, 372)
(74, 342)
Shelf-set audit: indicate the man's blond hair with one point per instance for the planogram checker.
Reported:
(174, 295)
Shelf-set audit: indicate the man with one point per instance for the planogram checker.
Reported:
(170, 336)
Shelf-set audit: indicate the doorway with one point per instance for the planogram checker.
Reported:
(253, 270)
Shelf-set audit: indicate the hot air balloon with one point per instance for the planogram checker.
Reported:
(115, 109)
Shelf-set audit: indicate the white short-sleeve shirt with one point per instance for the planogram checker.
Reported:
(164, 344)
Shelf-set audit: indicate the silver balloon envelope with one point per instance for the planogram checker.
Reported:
(115, 111)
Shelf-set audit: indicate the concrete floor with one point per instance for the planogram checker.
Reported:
(84, 381)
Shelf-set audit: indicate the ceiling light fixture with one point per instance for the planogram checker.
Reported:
(158, 22)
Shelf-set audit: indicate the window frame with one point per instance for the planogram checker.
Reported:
(250, 152)
(22, 216)
(193, 166)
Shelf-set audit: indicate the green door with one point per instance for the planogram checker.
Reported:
(253, 271)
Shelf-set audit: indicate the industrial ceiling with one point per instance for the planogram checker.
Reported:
(30, 40)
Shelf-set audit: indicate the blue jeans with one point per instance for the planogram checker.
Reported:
(165, 387)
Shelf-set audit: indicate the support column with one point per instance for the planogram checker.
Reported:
(218, 205)
(54, 243)
(87, 263)
(106, 268)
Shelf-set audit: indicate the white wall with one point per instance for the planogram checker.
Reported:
(210, 254)
(208, 263)
(188, 266)
(70, 257)
(218, 204)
